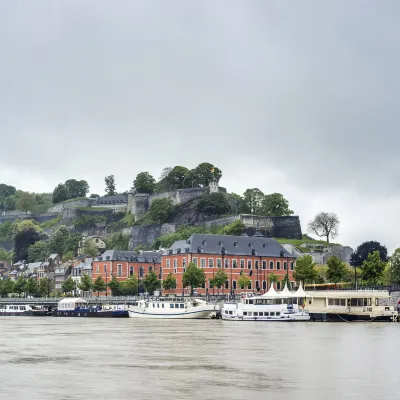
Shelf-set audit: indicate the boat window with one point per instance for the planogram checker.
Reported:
(278, 313)
(158, 305)
(251, 301)
(230, 312)
(266, 314)
(250, 314)
(244, 312)
(153, 305)
(369, 302)
(343, 302)
(255, 313)
(365, 303)
(162, 305)
(182, 305)
(22, 308)
(337, 302)
(360, 302)
(376, 302)
(171, 305)
(272, 313)
(353, 302)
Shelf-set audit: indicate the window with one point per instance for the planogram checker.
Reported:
(202, 262)
(203, 285)
(234, 263)
(249, 264)
(264, 264)
(257, 285)
(158, 305)
(171, 306)
(105, 268)
(234, 285)
(119, 270)
(97, 269)
(264, 285)
(278, 265)
(181, 305)
(184, 264)
(226, 284)
(219, 263)
(272, 314)
(256, 264)
(175, 263)
(292, 266)
(131, 270)
(242, 264)
(271, 265)
(194, 260)
(210, 263)
(168, 263)
(150, 269)
(244, 312)
(141, 272)
(226, 263)
(249, 287)
(278, 285)
(255, 313)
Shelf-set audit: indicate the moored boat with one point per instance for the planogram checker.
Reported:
(269, 307)
(24, 310)
(78, 307)
(172, 308)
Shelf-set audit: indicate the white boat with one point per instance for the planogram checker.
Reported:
(270, 307)
(172, 308)
(25, 310)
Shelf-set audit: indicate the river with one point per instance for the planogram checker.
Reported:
(68, 359)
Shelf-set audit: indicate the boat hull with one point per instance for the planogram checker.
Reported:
(198, 314)
(26, 314)
(92, 314)
(333, 317)
(286, 318)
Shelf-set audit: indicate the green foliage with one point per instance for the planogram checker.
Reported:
(68, 285)
(5, 255)
(214, 204)
(373, 267)
(305, 270)
(5, 192)
(19, 286)
(275, 204)
(39, 251)
(286, 281)
(6, 287)
(115, 286)
(243, 281)
(182, 233)
(159, 211)
(60, 194)
(325, 224)
(336, 270)
(236, 228)
(151, 282)
(68, 256)
(169, 282)
(25, 225)
(126, 222)
(273, 278)
(90, 221)
(202, 175)
(44, 287)
(253, 199)
(6, 231)
(144, 183)
(10, 203)
(130, 286)
(59, 240)
(86, 283)
(193, 277)
(26, 234)
(366, 248)
(305, 239)
(90, 249)
(118, 241)
(31, 287)
(71, 189)
(72, 243)
(395, 267)
(26, 202)
(238, 204)
(219, 279)
(171, 179)
(140, 247)
(110, 185)
(99, 285)
(50, 223)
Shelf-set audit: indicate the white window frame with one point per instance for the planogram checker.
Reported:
(219, 263)
(168, 263)
(202, 262)
(210, 263)
(234, 263)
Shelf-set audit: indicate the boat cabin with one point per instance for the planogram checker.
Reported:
(70, 304)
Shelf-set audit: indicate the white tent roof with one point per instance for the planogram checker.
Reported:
(72, 300)
(286, 292)
(271, 294)
(300, 292)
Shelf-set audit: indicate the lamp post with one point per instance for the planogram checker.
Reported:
(105, 270)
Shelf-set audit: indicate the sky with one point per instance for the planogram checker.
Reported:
(300, 98)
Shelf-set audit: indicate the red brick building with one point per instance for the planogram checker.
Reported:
(256, 257)
(123, 264)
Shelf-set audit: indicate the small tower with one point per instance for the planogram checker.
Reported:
(258, 232)
(213, 187)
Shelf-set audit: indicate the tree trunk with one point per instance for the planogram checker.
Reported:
(327, 238)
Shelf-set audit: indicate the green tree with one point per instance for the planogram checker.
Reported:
(6, 231)
(68, 256)
(39, 251)
(176, 177)
(273, 278)
(205, 173)
(286, 281)
(253, 199)
(11, 203)
(213, 204)
(60, 194)
(130, 286)
(6, 191)
(366, 248)
(20, 285)
(25, 225)
(110, 185)
(90, 248)
(275, 205)
(144, 183)
(169, 282)
(115, 286)
(45, 287)
(159, 211)
(305, 270)
(26, 202)
(151, 282)
(238, 204)
(219, 279)
(373, 267)
(193, 277)
(72, 243)
(6, 287)
(76, 188)
(394, 277)
(99, 285)
(236, 228)
(85, 284)
(325, 224)
(31, 287)
(5, 255)
(59, 240)
(68, 285)
(22, 241)
(243, 281)
(336, 270)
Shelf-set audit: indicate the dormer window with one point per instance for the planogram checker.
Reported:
(236, 244)
(264, 245)
(204, 242)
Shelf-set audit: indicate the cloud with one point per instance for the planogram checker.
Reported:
(301, 100)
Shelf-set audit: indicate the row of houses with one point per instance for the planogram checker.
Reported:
(256, 257)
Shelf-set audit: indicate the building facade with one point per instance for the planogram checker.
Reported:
(255, 257)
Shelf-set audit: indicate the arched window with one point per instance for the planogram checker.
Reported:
(131, 270)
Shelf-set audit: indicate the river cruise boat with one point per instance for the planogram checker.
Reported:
(350, 305)
(78, 307)
(24, 310)
(173, 308)
(269, 307)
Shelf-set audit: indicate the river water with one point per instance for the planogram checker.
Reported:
(65, 358)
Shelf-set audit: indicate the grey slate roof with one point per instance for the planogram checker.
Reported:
(112, 199)
(115, 255)
(233, 245)
(32, 267)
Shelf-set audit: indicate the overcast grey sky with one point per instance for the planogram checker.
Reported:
(300, 98)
